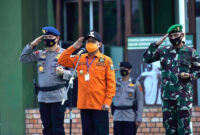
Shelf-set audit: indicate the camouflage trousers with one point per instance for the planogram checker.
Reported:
(177, 116)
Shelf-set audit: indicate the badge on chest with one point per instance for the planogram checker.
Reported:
(87, 77)
(57, 56)
(130, 94)
(43, 55)
(131, 85)
(41, 68)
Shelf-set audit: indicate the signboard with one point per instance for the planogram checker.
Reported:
(145, 41)
(148, 74)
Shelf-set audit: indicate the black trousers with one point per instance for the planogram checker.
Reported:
(94, 122)
(52, 116)
(124, 128)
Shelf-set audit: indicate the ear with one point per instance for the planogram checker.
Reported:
(182, 35)
(129, 71)
(57, 38)
(100, 44)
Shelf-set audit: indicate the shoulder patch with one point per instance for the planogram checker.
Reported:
(101, 59)
(140, 87)
(112, 67)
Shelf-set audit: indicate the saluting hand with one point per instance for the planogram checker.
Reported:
(78, 43)
(36, 41)
(159, 42)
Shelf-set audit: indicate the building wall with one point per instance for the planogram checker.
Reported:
(151, 125)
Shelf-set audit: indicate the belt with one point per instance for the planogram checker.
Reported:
(52, 88)
(122, 107)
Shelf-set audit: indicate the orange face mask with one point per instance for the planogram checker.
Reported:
(91, 47)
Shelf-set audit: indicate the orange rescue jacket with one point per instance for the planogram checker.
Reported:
(100, 88)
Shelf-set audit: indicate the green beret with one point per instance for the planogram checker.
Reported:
(175, 28)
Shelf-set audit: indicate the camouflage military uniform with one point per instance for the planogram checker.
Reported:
(176, 92)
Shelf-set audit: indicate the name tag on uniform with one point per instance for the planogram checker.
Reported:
(87, 77)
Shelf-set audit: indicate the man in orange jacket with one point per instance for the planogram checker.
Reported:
(96, 83)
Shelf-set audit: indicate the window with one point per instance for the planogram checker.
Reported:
(198, 9)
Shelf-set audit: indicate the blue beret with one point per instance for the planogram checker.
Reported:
(50, 30)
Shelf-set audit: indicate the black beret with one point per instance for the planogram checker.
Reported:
(125, 64)
(94, 35)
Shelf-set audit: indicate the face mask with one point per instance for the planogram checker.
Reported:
(49, 42)
(176, 41)
(123, 72)
(91, 47)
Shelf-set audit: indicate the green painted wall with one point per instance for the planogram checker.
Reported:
(163, 15)
(21, 22)
(11, 73)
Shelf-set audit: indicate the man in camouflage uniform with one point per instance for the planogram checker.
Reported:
(179, 65)
(127, 105)
(52, 90)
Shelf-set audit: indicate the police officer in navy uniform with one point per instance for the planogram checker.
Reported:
(51, 90)
(127, 104)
